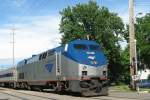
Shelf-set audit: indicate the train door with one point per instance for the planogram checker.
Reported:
(58, 64)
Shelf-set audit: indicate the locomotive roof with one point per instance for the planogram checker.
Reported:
(61, 48)
(83, 42)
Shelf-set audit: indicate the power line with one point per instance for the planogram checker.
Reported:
(141, 3)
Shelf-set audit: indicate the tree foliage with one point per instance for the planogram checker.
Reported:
(101, 25)
(125, 65)
(148, 77)
(143, 38)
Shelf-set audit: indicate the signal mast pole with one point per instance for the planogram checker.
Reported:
(132, 42)
(13, 56)
(13, 48)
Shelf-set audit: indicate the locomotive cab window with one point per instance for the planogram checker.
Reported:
(25, 61)
(80, 46)
(40, 58)
(44, 55)
(94, 47)
(51, 52)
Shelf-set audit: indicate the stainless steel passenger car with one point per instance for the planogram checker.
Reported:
(6, 77)
(79, 66)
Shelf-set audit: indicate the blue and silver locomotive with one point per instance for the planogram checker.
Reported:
(79, 66)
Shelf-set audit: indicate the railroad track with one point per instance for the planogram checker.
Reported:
(22, 98)
(114, 98)
(19, 97)
(45, 96)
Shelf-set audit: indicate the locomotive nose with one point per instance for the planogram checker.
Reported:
(86, 52)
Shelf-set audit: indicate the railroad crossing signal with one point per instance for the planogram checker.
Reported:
(136, 77)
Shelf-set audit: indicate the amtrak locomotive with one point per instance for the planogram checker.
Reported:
(79, 66)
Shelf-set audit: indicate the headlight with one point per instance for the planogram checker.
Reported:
(84, 73)
(104, 73)
(84, 67)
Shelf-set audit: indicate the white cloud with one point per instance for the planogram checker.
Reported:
(34, 34)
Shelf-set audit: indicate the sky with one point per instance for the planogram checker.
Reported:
(36, 24)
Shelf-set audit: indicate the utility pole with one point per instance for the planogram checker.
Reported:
(13, 56)
(132, 40)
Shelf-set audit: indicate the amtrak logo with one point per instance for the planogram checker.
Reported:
(49, 67)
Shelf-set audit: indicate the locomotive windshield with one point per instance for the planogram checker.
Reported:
(86, 47)
(80, 46)
(94, 47)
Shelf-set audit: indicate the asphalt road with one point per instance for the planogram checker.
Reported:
(10, 94)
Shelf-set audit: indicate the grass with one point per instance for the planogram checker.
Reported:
(145, 89)
(123, 88)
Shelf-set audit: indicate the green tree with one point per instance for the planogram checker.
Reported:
(142, 31)
(125, 63)
(101, 25)
(148, 77)
(143, 39)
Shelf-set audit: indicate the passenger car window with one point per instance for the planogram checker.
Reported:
(80, 46)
